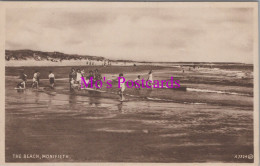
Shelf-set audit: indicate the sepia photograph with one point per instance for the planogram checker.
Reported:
(130, 82)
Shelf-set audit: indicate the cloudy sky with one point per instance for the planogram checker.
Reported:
(152, 34)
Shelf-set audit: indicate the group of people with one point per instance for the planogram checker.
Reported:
(35, 80)
(76, 74)
(75, 78)
(122, 84)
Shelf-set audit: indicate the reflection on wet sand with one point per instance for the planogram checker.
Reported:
(120, 106)
(147, 128)
(36, 97)
(94, 101)
(93, 128)
(72, 102)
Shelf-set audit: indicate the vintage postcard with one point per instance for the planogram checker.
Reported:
(129, 83)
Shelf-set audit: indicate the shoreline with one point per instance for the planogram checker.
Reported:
(35, 63)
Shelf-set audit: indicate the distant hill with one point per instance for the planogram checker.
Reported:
(52, 56)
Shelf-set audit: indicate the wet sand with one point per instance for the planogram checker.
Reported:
(212, 127)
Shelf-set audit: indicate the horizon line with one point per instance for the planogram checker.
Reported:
(125, 60)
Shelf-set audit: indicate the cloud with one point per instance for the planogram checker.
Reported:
(153, 34)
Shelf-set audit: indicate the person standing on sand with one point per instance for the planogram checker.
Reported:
(137, 80)
(150, 79)
(23, 77)
(51, 79)
(35, 82)
(78, 79)
(22, 84)
(122, 89)
(122, 86)
(90, 76)
(97, 77)
(38, 77)
(72, 78)
(82, 73)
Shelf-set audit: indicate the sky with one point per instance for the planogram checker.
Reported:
(142, 34)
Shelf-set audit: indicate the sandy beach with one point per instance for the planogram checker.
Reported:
(200, 58)
(211, 121)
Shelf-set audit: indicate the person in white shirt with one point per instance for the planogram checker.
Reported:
(82, 72)
(52, 79)
(35, 80)
(150, 78)
(78, 78)
(122, 89)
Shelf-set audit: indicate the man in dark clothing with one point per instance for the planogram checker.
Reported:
(97, 76)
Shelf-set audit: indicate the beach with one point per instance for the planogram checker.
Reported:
(212, 121)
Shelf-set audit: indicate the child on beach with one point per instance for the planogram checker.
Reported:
(122, 89)
(35, 80)
(78, 79)
(23, 77)
(150, 79)
(74, 85)
(21, 85)
(82, 73)
(51, 79)
(137, 79)
(72, 77)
